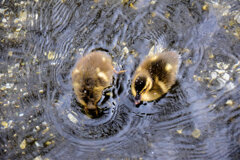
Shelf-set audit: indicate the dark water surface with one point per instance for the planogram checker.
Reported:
(40, 41)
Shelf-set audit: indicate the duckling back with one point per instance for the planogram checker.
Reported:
(162, 67)
(91, 75)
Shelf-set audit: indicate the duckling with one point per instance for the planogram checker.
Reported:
(91, 75)
(154, 76)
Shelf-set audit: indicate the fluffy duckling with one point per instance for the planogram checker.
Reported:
(91, 75)
(155, 76)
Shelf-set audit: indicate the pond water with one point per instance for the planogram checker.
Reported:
(41, 40)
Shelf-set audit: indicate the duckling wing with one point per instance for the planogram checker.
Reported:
(103, 67)
(165, 68)
(97, 65)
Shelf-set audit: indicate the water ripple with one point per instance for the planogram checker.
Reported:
(42, 40)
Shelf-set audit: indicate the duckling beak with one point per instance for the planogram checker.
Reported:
(137, 99)
(91, 111)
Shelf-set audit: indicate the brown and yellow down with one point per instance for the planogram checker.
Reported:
(154, 76)
(91, 75)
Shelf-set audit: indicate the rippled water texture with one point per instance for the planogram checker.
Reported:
(41, 40)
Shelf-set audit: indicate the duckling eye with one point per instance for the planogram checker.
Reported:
(144, 90)
(83, 91)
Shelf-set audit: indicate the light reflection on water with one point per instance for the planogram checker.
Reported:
(41, 41)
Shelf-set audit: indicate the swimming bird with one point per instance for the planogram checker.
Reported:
(90, 76)
(154, 76)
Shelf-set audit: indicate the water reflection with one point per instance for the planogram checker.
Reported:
(42, 40)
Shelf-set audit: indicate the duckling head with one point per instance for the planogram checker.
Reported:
(89, 98)
(141, 85)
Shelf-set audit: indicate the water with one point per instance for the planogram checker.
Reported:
(199, 118)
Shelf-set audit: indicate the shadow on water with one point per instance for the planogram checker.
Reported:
(199, 118)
